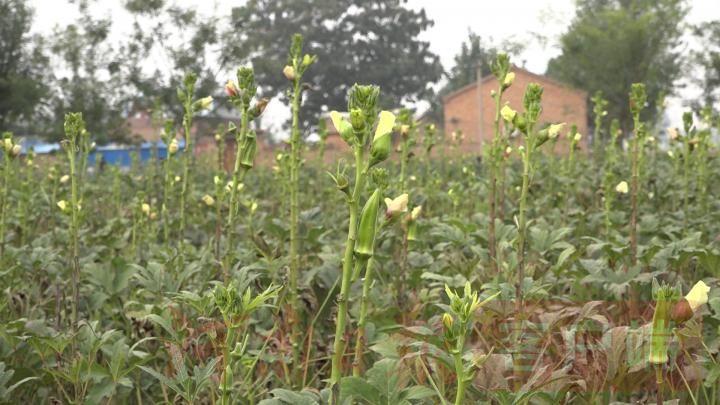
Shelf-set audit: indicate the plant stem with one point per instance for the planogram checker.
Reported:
(294, 268)
(238, 176)
(362, 320)
(74, 248)
(353, 204)
(492, 198)
(5, 198)
(635, 189)
(187, 160)
(459, 369)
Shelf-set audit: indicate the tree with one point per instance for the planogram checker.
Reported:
(22, 65)
(708, 59)
(474, 54)
(612, 44)
(356, 41)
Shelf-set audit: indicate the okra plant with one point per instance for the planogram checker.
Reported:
(294, 71)
(191, 106)
(10, 151)
(501, 71)
(241, 94)
(368, 151)
(638, 98)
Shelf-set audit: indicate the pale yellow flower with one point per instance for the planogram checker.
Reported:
(289, 72)
(698, 295)
(507, 113)
(509, 78)
(415, 213)
(397, 205)
(146, 208)
(62, 204)
(64, 179)
(385, 124)
(208, 200)
(622, 187)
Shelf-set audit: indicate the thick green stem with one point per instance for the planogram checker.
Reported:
(634, 191)
(294, 268)
(74, 223)
(362, 320)
(238, 176)
(347, 268)
(187, 160)
(459, 370)
(5, 198)
(166, 199)
(492, 198)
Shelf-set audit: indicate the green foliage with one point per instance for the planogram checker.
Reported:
(607, 37)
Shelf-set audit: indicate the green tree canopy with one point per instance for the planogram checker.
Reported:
(708, 58)
(356, 41)
(22, 65)
(613, 43)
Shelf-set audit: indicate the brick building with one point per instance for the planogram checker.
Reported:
(471, 109)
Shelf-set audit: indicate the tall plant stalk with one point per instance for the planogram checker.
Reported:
(7, 148)
(638, 98)
(186, 95)
(501, 70)
(294, 71)
(362, 105)
(241, 95)
(171, 146)
(74, 132)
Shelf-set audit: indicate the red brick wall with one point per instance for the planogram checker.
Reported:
(560, 104)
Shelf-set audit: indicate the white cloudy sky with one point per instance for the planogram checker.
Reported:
(518, 19)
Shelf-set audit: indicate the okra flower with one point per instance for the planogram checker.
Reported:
(231, 88)
(173, 147)
(509, 79)
(686, 307)
(507, 113)
(64, 179)
(622, 187)
(204, 103)
(577, 137)
(397, 205)
(554, 130)
(63, 205)
(382, 142)
(289, 72)
(415, 213)
(208, 200)
(342, 126)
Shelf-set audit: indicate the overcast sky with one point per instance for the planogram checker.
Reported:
(523, 20)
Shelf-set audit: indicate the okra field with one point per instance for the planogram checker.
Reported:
(534, 270)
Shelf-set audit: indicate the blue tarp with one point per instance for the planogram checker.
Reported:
(111, 154)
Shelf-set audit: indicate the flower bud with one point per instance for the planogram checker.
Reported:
(64, 179)
(208, 200)
(357, 119)
(218, 137)
(145, 207)
(448, 321)
(365, 243)
(177, 179)
(577, 137)
(622, 187)
(15, 151)
(231, 88)
(289, 72)
(308, 60)
(7, 144)
(397, 205)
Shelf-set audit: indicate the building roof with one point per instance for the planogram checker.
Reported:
(516, 69)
